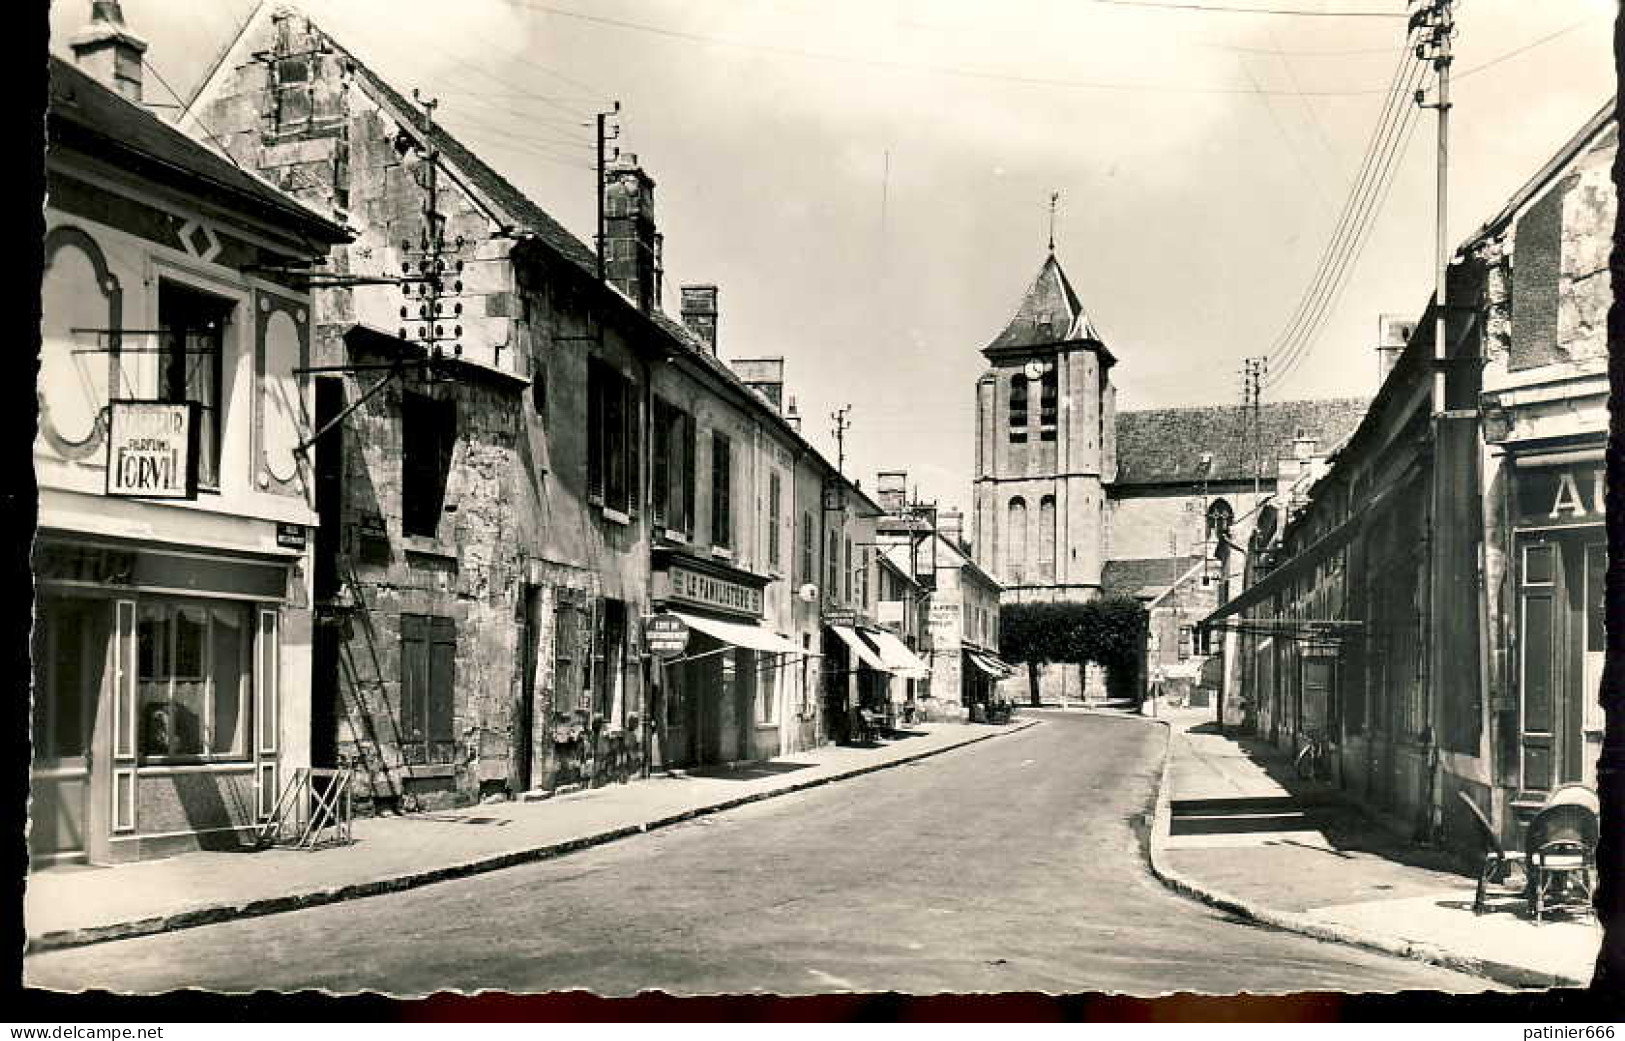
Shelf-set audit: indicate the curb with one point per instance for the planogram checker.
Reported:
(1156, 840)
(65, 938)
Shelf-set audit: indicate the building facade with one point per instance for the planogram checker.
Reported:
(173, 560)
(1436, 609)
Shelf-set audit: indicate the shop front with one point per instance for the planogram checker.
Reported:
(982, 672)
(865, 680)
(718, 701)
(158, 695)
(1560, 557)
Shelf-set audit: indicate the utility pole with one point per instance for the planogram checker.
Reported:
(606, 134)
(842, 425)
(1434, 21)
(1253, 371)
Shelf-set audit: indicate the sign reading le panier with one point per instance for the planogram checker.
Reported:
(152, 449)
(665, 635)
(703, 590)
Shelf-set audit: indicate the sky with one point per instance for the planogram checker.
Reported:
(868, 181)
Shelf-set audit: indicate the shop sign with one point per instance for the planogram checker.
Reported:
(1558, 496)
(889, 612)
(944, 614)
(290, 536)
(845, 616)
(152, 449)
(1317, 649)
(702, 590)
(665, 635)
(84, 564)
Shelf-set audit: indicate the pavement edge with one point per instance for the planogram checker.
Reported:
(194, 917)
(1156, 841)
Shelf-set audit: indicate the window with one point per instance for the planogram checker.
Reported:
(612, 438)
(807, 572)
(774, 495)
(833, 566)
(721, 490)
(673, 491)
(608, 656)
(848, 583)
(192, 674)
(1220, 516)
(767, 688)
(428, 434)
(1047, 405)
(192, 328)
(1018, 409)
(428, 682)
(1046, 539)
(1015, 564)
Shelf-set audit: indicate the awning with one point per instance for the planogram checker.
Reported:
(988, 665)
(902, 661)
(741, 634)
(850, 637)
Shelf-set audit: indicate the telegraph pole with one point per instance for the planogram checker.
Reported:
(606, 134)
(842, 425)
(1438, 23)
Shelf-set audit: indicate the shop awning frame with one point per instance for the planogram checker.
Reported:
(904, 662)
(751, 636)
(850, 637)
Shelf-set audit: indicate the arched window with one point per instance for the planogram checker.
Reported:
(1018, 409)
(1046, 539)
(1015, 562)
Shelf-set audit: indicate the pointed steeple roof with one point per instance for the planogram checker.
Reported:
(1049, 314)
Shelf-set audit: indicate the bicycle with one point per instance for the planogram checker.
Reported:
(1313, 761)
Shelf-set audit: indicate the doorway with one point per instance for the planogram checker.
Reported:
(70, 641)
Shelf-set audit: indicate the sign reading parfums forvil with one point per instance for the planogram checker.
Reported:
(152, 449)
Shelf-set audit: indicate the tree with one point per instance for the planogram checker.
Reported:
(1109, 631)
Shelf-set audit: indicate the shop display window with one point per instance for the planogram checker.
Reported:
(193, 673)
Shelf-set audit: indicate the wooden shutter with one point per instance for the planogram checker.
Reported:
(634, 447)
(660, 463)
(414, 680)
(440, 710)
(721, 494)
(595, 432)
(773, 496)
(690, 443)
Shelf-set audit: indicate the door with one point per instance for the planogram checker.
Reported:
(1560, 651)
(327, 640)
(524, 738)
(69, 651)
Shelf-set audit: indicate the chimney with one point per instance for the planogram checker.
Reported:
(699, 313)
(763, 375)
(891, 490)
(632, 247)
(109, 51)
(951, 526)
(1393, 333)
(792, 415)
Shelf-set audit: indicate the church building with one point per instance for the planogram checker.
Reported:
(1074, 500)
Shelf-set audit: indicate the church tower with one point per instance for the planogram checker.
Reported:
(1045, 417)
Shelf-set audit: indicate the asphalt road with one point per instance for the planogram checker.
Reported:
(1010, 865)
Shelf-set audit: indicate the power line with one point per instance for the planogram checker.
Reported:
(212, 135)
(1168, 5)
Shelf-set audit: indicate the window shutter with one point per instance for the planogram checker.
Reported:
(442, 683)
(690, 443)
(660, 464)
(634, 448)
(595, 432)
(414, 677)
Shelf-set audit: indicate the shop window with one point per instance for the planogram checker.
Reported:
(721, 490)
(612, 427)
(672, 501)
(1018, 409)
(192, 328)
(428, 685)
(774, 504)
(428, 435)
(767, 689)
(192, 673)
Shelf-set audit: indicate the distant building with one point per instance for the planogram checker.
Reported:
(1074, 499)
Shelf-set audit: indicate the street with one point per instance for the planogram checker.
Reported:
(1010, 865)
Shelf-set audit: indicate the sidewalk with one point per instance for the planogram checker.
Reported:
(1243, 832)
(75, 904)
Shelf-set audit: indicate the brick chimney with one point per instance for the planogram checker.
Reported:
(632, 247)
(109, 51)
(792, 415)
(891, 490)
(951, 526)
(699, 313)
(763, 375)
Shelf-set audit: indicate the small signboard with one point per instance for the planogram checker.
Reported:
(665, 635)
(290, 536)
(152, 449)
